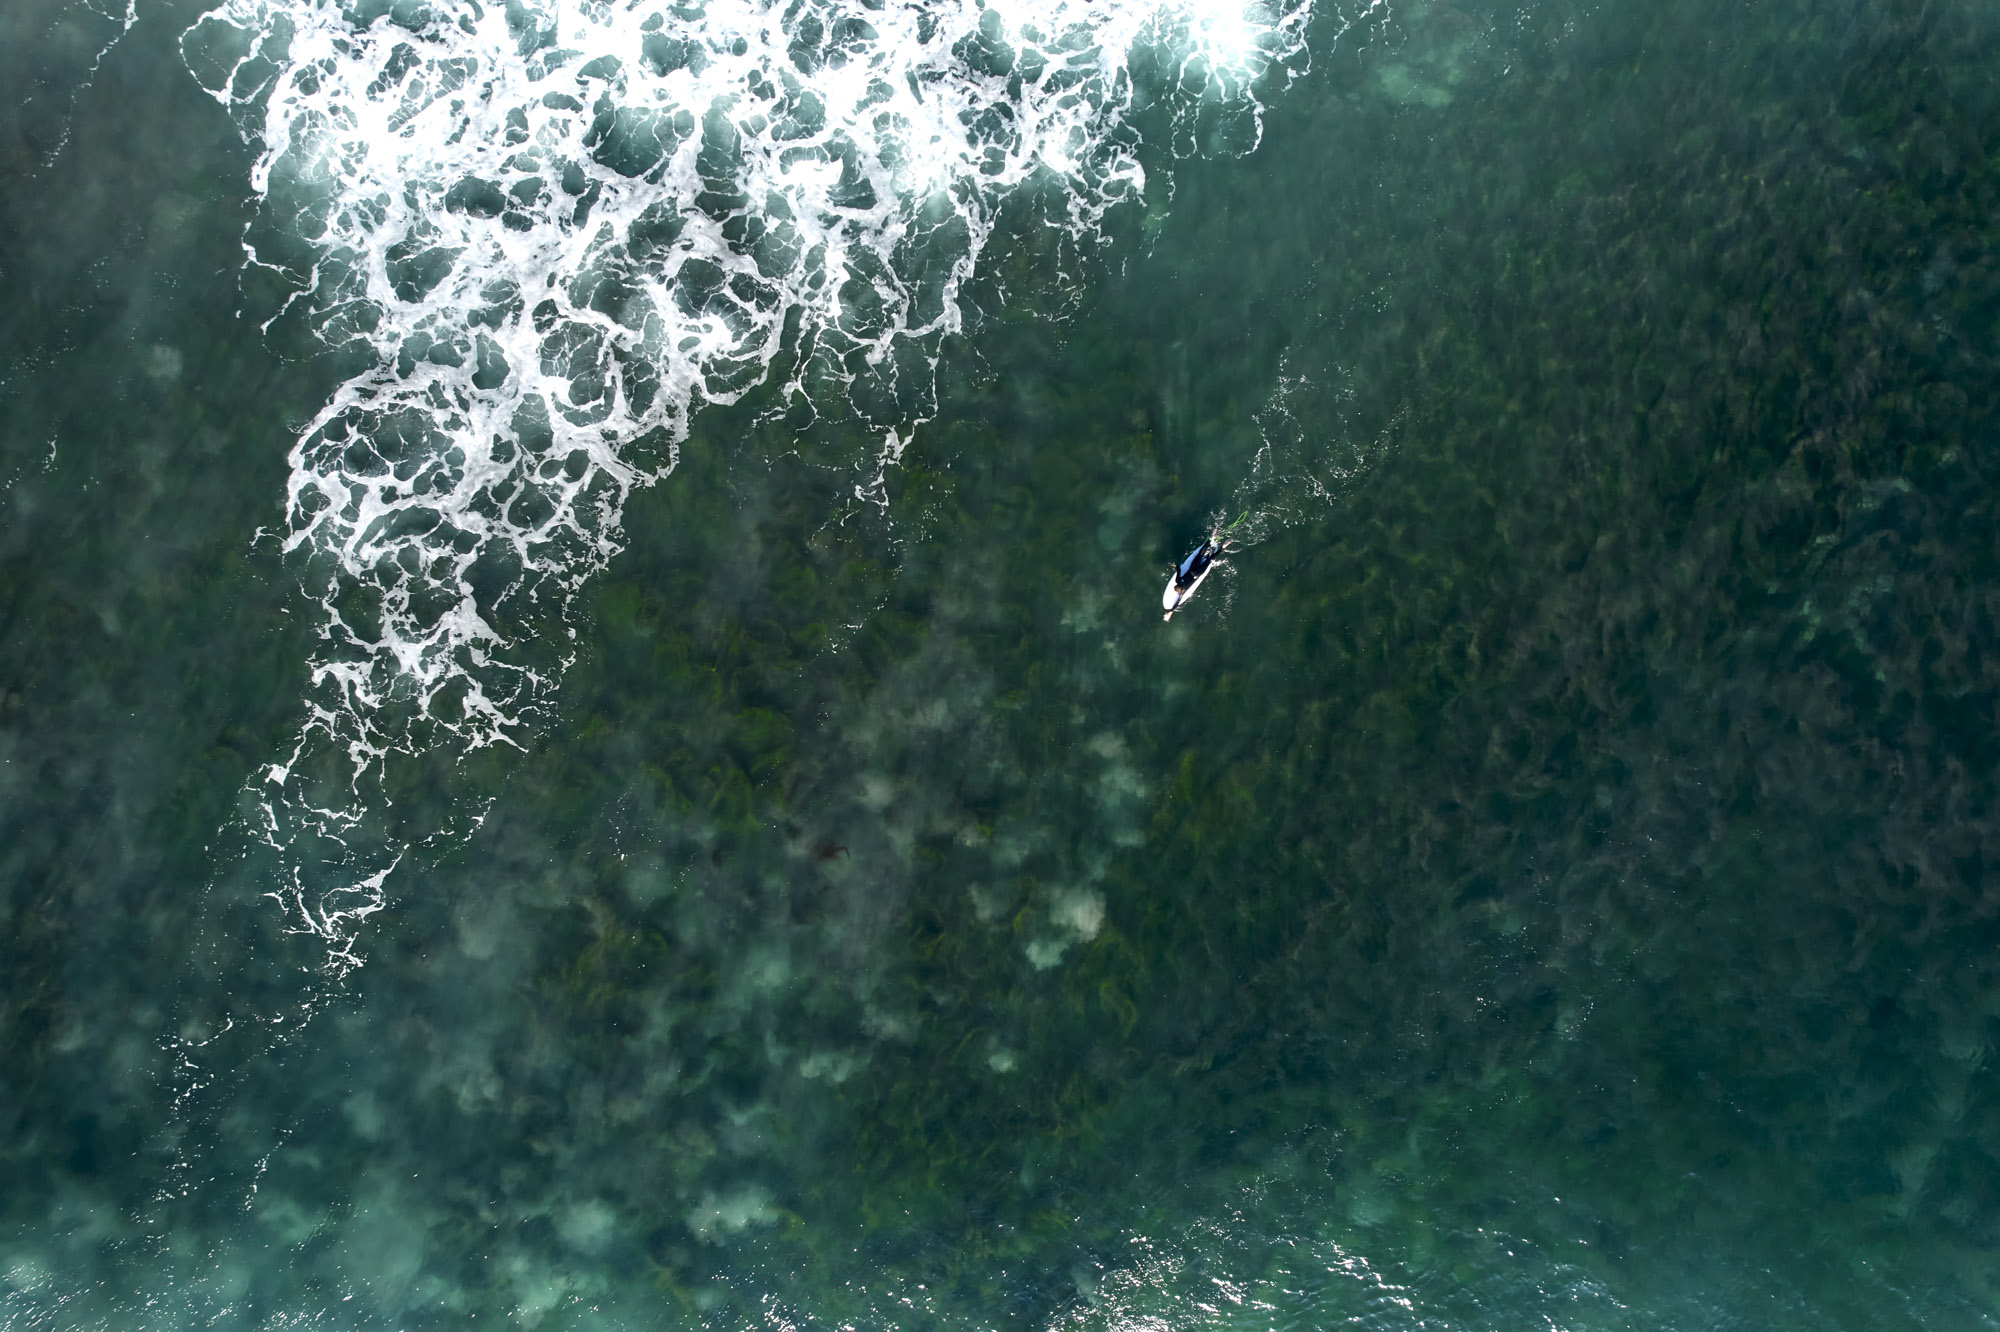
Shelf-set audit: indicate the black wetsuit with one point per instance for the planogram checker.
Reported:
(1194, 566)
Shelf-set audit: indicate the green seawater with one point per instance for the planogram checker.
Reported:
(1550, 876)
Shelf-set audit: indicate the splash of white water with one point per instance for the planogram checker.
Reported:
(553, 229)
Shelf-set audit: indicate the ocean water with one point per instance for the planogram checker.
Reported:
(586, 739)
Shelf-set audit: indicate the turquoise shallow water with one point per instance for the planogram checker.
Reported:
(1545, 879)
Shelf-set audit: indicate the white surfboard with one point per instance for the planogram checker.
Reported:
(1188, 576)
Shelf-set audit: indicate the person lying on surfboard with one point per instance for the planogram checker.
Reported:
(1188, 574)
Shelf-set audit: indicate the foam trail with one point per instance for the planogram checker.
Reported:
(1299, 469)
(552, 229)
(110, 12)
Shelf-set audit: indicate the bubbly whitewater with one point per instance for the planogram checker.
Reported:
(552, 231)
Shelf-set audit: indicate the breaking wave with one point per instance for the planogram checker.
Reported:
(549, 231)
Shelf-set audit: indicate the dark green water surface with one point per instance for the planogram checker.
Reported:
(1550, 878)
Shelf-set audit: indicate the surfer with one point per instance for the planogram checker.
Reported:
(1188, 574)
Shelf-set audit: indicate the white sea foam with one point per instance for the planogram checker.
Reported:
(553, 229)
